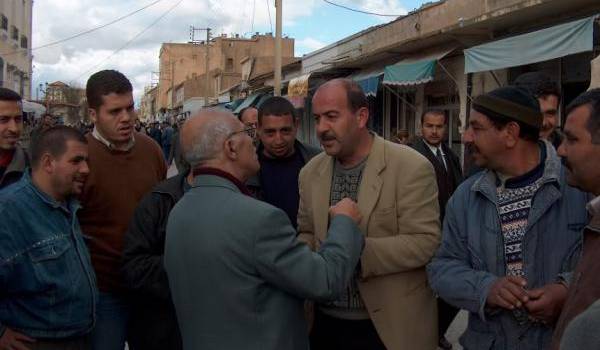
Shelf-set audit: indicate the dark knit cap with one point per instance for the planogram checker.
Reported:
(510, 102)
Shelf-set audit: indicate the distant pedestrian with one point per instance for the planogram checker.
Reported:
(167, 139)
(249, 116)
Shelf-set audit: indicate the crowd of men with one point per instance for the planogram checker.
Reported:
(264, 242)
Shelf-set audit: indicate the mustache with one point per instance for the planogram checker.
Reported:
(327, 136)
(470, 147)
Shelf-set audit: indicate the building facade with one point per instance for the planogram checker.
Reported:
(232, 60)
(15, 45)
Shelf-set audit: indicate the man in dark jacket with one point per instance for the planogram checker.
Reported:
(281, 156)
(13, 159)
(446, 164)
(153, 323)
(449, 175)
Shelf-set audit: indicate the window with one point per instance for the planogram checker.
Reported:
(4, 22)
(229, 65)
(14, 33)
(23, 41)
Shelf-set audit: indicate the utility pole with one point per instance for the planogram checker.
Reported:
(172, 84)
(193, 40)
(278, 20)
(207, 67)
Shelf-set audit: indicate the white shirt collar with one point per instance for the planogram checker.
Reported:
(96, 134)
(593, 206)
(434, 149)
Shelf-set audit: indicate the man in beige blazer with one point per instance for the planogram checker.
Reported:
(389, 304)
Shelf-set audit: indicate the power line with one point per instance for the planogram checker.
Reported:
(86, 31)
(360, 11)
(131, 40)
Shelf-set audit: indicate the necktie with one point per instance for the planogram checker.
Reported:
(440, 158)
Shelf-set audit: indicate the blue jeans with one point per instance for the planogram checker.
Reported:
(112, 316)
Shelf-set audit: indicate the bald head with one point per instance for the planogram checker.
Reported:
(355, 97)
(203, 135)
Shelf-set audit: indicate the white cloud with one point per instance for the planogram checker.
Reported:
(58, 19)
(307, 45)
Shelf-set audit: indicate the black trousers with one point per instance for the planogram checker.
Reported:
(446, 314)
(334, 333)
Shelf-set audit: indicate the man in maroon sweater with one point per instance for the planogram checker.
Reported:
(124, 166)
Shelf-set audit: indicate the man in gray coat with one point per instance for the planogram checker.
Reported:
(238, 276)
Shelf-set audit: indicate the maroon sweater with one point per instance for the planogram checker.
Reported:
(117, 182)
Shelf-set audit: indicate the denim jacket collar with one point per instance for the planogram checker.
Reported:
(71, 206)
(486, 183)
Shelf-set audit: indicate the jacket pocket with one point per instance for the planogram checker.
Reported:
(49, 250)
(477, 340)
(383, 222)
(49, 262)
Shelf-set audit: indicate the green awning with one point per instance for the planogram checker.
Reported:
(250, 101)
(409, 73)
(414, 70)
(542, 45)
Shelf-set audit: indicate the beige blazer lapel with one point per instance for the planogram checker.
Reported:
(321, 196)
(371, 182)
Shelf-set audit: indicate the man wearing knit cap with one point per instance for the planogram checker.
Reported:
(511, 232)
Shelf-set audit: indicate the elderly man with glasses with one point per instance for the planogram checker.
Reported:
(237, 274)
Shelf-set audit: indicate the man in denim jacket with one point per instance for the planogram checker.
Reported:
(47, 284)
(509, 231)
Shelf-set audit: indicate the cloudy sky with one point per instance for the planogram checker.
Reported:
(132, 44)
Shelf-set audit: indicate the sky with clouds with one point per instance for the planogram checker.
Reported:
(312, 23)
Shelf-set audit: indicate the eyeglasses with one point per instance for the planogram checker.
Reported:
(250, 131)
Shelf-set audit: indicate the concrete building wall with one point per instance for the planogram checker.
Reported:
(15, 53)
(187, 62)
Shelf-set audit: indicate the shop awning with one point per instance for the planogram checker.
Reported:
(298, 87)
(542, 45)
(370, 84)
(414, 70)
(248, 102)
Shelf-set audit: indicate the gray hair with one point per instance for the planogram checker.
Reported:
(207, 140)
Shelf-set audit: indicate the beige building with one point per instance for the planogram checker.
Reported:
(148, 104)
(231, 60)
(15, 45)
(66, 102)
